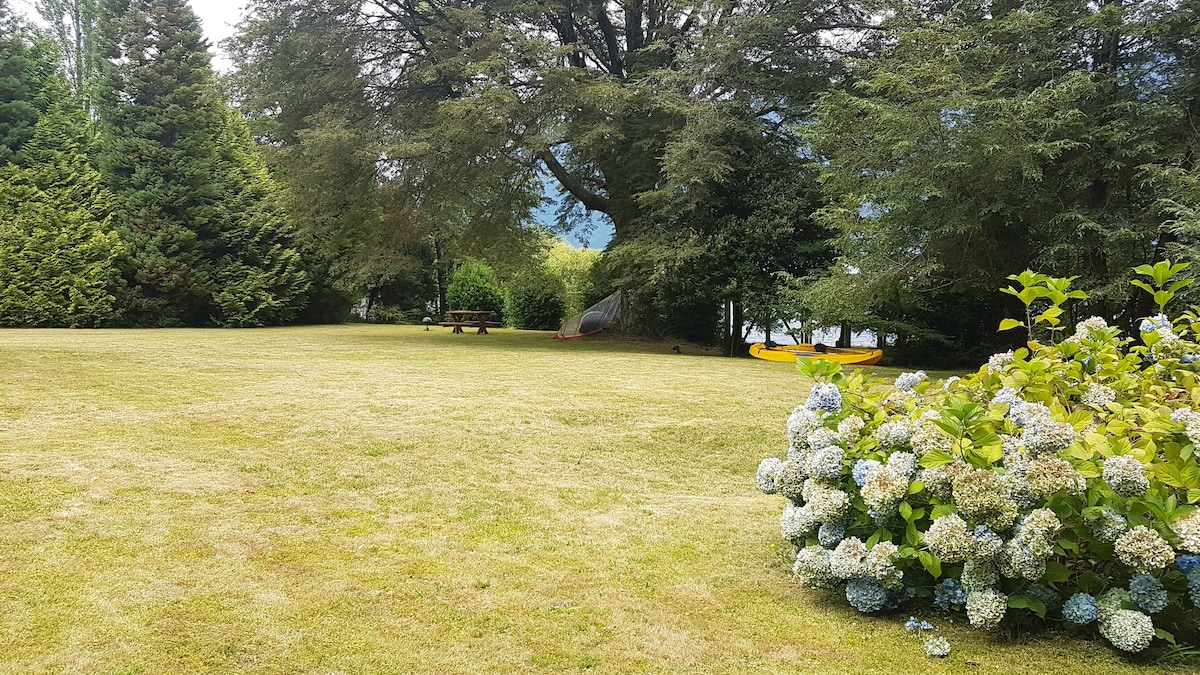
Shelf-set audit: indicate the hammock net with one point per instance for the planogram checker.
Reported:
(602, 315)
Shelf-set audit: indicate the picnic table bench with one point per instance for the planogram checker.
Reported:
(470, 318)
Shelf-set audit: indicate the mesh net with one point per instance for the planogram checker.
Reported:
(602, 315)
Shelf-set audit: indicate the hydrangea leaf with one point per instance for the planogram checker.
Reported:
(1164, 635)
(1009, 324)
(931, 563)
(1056, 573)
(936, 458)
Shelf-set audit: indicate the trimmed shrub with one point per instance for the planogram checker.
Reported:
(535, 302)
(474, 286)
(1056, 483)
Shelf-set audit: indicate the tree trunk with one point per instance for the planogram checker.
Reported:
(736, 318)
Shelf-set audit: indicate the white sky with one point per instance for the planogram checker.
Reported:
(217, 16)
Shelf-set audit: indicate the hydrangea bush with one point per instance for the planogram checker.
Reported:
(1058, 483)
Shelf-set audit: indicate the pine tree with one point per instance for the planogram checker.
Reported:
(26, 65)
(58, 251)
(188, 192)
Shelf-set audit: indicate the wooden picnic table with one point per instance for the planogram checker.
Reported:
(471, 318)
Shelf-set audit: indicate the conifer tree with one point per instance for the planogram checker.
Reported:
(26, 64)
(58, 251)
(187, 193)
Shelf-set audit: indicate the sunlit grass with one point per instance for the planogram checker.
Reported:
(389, 499)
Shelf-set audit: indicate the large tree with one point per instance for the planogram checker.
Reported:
(626, 106)
(993, 137)
(188, 190)
(26, 66)
(58, 250)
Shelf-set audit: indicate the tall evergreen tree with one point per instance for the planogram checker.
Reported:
(58, 250)
(186, 191)
(26, 66)
(990, 138)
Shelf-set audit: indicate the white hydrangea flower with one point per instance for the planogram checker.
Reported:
(1126, 476)
(800, 424)
(847, 560)
(1144, 550)
(979, 574)
(1191, 420)
(829, 505)
(1188, 529)
(797, 523)
(927, 436)
(1083, 329)
(850, 429)
(1043, 436)
(1005, 396)
(884, 488)
(1128, 630)
(880, 564)
(820, 438)
(997, 362)
(909, 381)
(1098, 395)
(825, 396)
(1018, 562)
(903, 463)
(894, 433)
(949, 539)
(986, 608)
(1048, 474)
(812, 568)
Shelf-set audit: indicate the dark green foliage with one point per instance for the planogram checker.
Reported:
(26, 66)
(535, 302)
(474, 286)
(981, 143)
(207, 246)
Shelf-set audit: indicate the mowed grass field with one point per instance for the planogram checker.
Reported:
(385, 499)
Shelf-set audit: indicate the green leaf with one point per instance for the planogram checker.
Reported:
(941, 510)
(1009, 324)
(1158, 632)
(1056, 572)
(931, 563)
(1051, 314)
(915, 487)
(1143, 285)
(936, 458)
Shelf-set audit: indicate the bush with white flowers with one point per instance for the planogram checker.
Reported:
(1060, 481)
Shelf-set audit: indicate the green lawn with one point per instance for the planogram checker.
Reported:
(359, 499)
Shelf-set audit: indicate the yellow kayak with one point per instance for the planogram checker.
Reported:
(858, 356)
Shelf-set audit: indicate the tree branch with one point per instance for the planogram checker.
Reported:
(572, 184)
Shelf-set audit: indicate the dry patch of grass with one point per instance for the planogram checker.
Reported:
(386, 499)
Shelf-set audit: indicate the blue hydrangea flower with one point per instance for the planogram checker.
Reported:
(1193, 578)
(1187, 563)
(826, 463)
(866, 595)
(825, 397)
(909, 381)
(937, 646)
(1080, 609)
(1154, 323)
(861, 468)
(948, 594)
(1148, 593)
(912, 625)
(831, 534)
